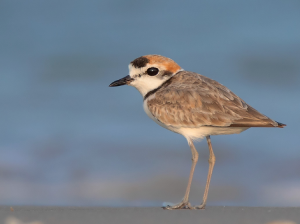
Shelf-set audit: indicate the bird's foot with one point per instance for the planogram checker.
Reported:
(181, 205)
(202, 206)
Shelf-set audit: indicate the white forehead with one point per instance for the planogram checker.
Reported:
(133, 70)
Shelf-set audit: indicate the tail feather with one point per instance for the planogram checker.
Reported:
(280, 125)
(259, 124)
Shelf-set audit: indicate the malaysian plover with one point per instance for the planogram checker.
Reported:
(191, 105)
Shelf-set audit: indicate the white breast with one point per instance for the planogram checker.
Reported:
(195, 133)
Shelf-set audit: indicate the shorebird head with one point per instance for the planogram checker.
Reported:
(148, 72)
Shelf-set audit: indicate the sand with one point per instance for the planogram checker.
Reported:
(143, 215)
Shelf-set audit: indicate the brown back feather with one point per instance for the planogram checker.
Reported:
(192, 100)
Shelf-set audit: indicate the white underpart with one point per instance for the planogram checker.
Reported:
(195, 133)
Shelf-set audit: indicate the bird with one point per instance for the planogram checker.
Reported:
(192, 105)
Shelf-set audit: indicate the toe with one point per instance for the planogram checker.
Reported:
(202, 206)
(181, 205)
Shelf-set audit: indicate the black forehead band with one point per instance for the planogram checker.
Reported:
(140, 62)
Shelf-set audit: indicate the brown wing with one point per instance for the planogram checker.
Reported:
(193, 100)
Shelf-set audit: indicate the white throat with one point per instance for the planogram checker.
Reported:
(146, 83)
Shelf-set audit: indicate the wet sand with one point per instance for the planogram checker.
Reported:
(131, 215)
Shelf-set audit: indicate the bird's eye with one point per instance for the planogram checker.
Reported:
(152, 71)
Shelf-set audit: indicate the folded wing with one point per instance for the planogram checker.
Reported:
(192, 100)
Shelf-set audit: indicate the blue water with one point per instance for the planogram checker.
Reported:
(68, 139)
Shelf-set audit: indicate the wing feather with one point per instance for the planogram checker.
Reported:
(192, 100)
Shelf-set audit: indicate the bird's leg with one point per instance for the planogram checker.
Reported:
(184, 204)
(211, 161)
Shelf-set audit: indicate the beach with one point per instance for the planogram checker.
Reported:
(148, 215)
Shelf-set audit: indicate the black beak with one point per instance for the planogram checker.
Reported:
(123, 81)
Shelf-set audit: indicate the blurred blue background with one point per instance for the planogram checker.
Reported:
(68, 139)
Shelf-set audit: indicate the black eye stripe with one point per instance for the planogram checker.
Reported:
(152, 71)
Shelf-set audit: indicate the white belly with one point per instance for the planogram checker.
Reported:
(199, 132)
